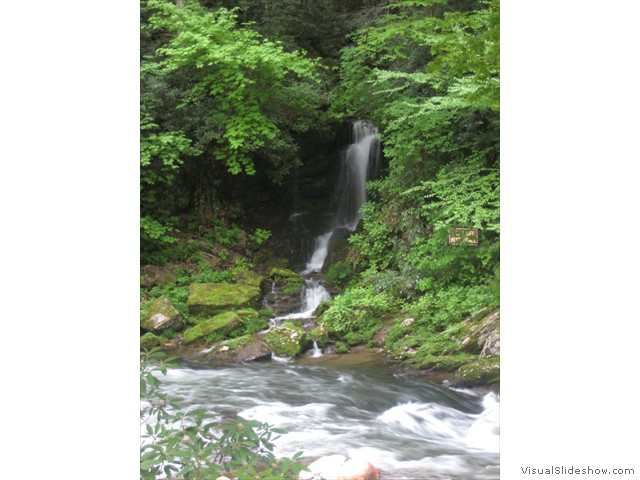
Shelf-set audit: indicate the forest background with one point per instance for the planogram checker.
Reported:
(70, 205)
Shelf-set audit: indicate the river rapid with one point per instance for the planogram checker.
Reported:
(407, 427)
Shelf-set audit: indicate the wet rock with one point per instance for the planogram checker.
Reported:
(215, 298)
(287, 281)
(320, 334)
(285, 291)
(152, 275)
(338, 467)
(160, 316)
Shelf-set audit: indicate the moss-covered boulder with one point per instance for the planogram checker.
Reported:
(249, 278)
(484, 371)
(161, 315)
(152, 275)
(320, 334)
(287, 341)
(213, 329)
(284, 291)
(287, 281)
(149, 340)
(215, 298)
(242, 349)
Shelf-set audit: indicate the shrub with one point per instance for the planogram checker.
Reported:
(200, 445)
(355, 316)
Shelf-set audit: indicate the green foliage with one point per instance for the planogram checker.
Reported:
(427, 73)
(339, 274)
(206, 274)
(355, 315)
(260, 236)
(196, 444)
(250, 84)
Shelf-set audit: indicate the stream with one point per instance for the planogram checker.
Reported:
(406, 427)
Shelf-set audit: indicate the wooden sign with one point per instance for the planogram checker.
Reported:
(463, 236)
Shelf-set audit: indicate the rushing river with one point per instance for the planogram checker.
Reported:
(407, 427)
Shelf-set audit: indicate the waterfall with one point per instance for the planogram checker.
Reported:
(358, 163)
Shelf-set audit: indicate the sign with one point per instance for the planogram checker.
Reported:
(463, 236)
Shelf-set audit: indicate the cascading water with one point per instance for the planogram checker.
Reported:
(358, 163)
(359, 160)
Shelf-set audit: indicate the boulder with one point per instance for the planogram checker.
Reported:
(215, 298)
(320, 334)
(491, 346)
(284, 287)
(160, 316)
(479, 327)
(287, 281)
(152, 275)
(242, 349)
(408, 322)
(149, 340)
(339, 467)
(215, 328)
(287, 341)
(484, 371)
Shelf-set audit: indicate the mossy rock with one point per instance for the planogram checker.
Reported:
(215, 298)
(252, 320)
(161, 315)
(287, 281)
(213, 329)
(478, 328)
(484, 371)
(242, 349)
(249, 278)
(149, 340)
(287, 341)
(320, 334)
(442, 363)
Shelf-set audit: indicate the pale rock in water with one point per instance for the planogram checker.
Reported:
(338, 467)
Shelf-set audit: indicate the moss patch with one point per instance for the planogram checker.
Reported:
(149, 340)
(320, 334)
(443, 363)
(286, 280)
(215, 298)
(484, 371)
(213, 329)
(161, 315)
(249, 278)
(287, 341)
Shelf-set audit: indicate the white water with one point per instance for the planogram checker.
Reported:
(313, 294)
(409, 429)
(359, 159)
